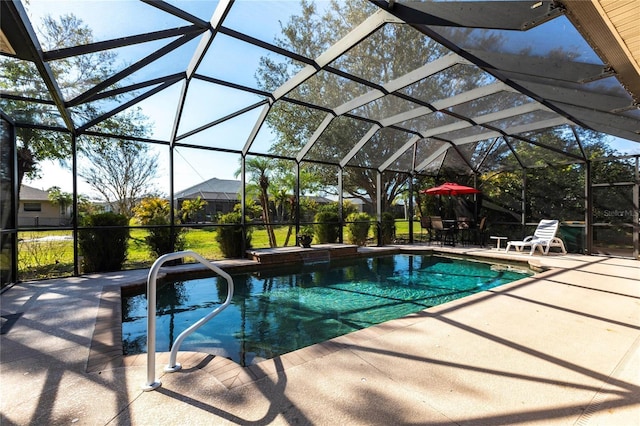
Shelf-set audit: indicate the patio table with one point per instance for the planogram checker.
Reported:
(498, 239)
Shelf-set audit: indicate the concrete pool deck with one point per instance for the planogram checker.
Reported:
(559, 348)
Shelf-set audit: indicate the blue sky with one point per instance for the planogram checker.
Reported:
(111, 19)
(119, 18)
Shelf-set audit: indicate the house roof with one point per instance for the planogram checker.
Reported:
(318, 199)
(225, 189)
(213, 189)
(28, 193)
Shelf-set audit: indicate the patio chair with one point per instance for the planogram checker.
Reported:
(481, 232)
(443, 233)
(425, 225)
(464, 228)
(543, 238)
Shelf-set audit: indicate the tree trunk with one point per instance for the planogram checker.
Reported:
(26, 164)
(267, 219)
(293, 218)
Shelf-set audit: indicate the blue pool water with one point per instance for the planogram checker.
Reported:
(278, 312)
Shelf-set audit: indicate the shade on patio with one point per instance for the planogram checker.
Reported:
(400, 89)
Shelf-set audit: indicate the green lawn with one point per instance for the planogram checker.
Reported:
(44, 254)
(49, 254)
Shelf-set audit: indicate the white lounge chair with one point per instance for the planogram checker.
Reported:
(543, 238)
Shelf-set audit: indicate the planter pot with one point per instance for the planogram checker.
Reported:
(305, 240)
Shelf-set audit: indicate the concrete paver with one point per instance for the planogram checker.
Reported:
(559, 348)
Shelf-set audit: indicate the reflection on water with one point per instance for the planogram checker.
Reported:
(275, 312)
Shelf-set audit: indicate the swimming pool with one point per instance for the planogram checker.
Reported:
(276, 312)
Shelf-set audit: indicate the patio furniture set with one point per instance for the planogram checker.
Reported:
(465, 231)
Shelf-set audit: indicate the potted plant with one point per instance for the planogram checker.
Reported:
(229, 235)
(305, 236)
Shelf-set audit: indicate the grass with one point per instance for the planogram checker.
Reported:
(260, 239)
(138, 254)
(49, 254)
(45, 254)
(40, 256)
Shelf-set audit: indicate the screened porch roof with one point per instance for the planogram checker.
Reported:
(497, 74)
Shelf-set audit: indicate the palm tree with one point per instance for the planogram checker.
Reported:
(285, 181)
(258, 170)
(62, 199)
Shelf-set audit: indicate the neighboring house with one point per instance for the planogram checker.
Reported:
(36, 209)
(398, 210)
(360, 205)
(221, 196)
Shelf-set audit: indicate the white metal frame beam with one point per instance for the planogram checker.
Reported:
(357, 147)
(361, 32)
(409, 144)
(222, 9)
(437, 153)
(305, 149)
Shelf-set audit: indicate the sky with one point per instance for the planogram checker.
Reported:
(192, 167)
(233, 59)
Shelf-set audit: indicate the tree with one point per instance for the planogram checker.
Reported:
(553, 189)
(190, 209)
(74, 75)
(284, 183)
(258, 169)
(121, 171)
(60, 198)
(65, 201)
(155, 213)
(394, 51)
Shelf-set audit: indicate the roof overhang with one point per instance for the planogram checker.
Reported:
(608, 26)
(611, 28)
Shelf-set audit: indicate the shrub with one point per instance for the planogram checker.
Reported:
(348, 208)
(156, 213)
(229, 235)
(387, 227)
(104, 249)
(327, 229)
(358, 228)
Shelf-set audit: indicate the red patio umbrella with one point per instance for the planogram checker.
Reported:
(450, 188)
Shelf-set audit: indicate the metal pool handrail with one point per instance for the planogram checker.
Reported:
(152, 382)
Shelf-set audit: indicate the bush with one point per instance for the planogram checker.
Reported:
(387, 227)
(161, 240)
(104, 249)
(327, 230)
(156, 213)
(229, 235)
(358, 228)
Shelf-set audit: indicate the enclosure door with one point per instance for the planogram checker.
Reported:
(615, 220)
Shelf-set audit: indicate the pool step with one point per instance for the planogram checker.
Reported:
(312, 257)
(315, 254)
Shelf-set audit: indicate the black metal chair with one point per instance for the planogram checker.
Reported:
(481, 232)
(445, 234)
(425, 225)
(464, 229)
